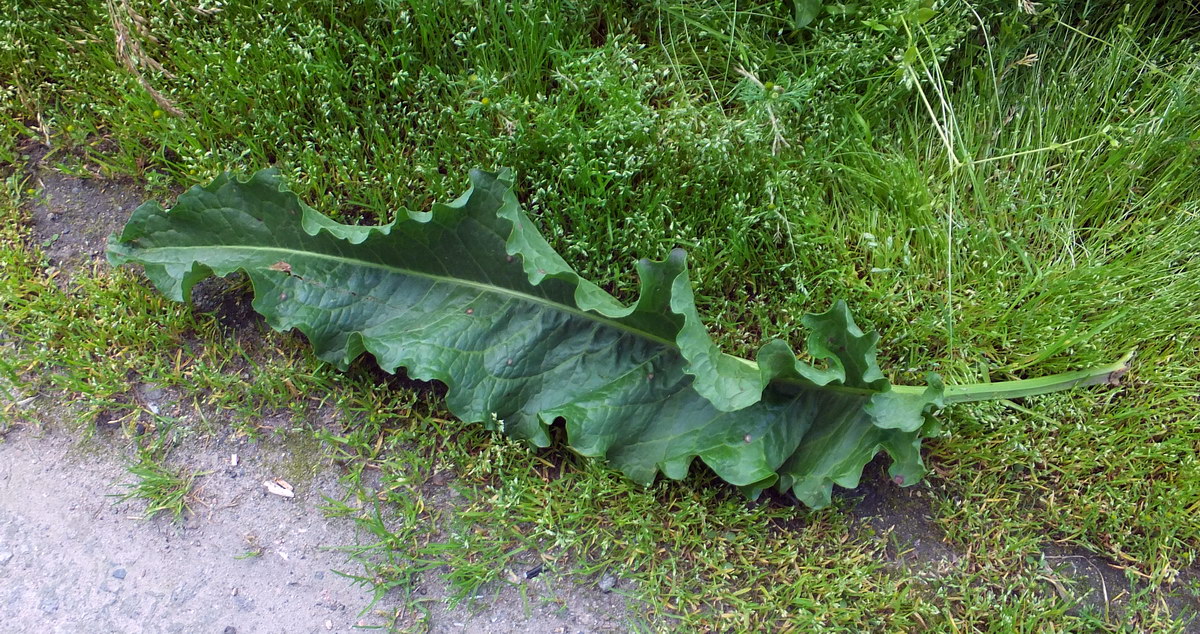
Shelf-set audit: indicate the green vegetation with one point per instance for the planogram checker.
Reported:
(472, 296)
(1001, 194)
(164, 489)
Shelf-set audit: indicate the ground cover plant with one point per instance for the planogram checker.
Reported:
(997, 188)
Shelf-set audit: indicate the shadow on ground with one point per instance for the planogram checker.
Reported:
(917, 547)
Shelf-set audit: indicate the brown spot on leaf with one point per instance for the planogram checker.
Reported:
(281, 266)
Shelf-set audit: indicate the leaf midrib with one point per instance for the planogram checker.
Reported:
(456, 281)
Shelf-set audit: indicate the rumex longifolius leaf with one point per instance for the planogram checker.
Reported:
(470, 294)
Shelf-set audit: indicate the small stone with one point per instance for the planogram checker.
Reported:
(243, 604)
(607, 583)
(5, 557)
(49, 603)
(119, 573)
(229, 629)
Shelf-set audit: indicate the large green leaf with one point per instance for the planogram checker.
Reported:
(471, 295)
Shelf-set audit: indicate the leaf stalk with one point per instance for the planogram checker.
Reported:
(970, 392)
(973, 392)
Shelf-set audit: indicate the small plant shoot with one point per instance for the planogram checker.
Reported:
(470, 294)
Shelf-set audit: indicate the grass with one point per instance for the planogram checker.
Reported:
(163, 488)
(1000, 202)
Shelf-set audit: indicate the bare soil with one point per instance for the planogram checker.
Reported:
(74, 216)
(77, 558)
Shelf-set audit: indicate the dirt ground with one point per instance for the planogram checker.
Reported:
(90, 563)
(75, 559)
(74, 217)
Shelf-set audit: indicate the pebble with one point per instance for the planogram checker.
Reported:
(152, 394)
(119, 573)
(607, 582)
(49, 604)
(5, 557)
(243, 604)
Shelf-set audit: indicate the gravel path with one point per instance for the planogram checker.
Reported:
(75, 560)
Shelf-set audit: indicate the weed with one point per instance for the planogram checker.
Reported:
(164, 489)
